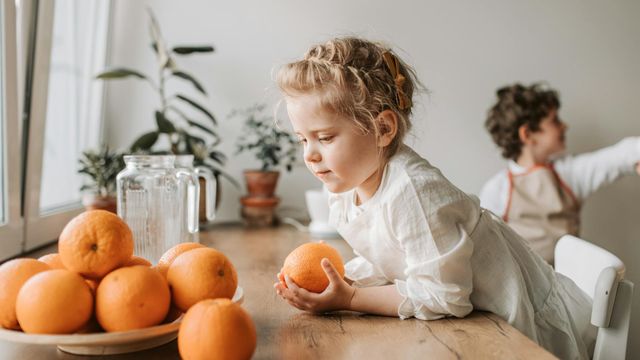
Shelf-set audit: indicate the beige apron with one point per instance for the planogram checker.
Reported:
(541, 208)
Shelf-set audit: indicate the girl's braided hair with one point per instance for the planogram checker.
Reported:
(352, 78)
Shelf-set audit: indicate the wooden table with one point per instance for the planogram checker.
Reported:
(287, 333)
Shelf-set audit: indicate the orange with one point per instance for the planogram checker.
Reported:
(200, 274)
(54, 302)
(132, 297)
(93, 285)
(53, 260)
(137, 260)
(167, 258)
(94, 243)
(13, 274)
(304, 268)
(216, 329)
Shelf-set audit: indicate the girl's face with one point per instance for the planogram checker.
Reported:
(335, 149)
(550, 138)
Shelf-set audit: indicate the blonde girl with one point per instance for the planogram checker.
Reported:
(424, 248)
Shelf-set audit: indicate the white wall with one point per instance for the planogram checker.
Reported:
(462, 51)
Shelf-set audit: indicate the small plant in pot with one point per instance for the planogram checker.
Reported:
(272, 147)
(101, 168)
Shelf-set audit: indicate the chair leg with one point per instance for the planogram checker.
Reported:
(611, 342)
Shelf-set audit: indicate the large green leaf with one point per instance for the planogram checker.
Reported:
(145, 142)
(119, 73)
(184, 75)
(186, 50)
(202, 127)
(164, 125)
(218, 156)
(158, 42)
(197, 106)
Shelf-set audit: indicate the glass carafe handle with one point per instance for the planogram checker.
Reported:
(193, 196)
(211, 185)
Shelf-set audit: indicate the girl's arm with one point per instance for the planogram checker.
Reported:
(378, 300)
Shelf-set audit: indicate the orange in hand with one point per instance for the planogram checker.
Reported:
(54, 302)
(13, 274)
(303, 266)
(94, 243)
(216, 329)
(132, 297)
(200, 274)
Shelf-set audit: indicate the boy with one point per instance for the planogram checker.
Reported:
(540, 193)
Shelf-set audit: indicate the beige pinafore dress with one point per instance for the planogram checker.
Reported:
(541, 208)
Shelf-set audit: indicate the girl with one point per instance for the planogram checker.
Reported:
(424, 248)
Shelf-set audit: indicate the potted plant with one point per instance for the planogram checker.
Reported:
(271, 146)
(186, 133)
(101, 167)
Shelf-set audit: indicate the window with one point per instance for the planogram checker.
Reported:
(50, 111)
(3, 136)
(74, 99)
(11, 224)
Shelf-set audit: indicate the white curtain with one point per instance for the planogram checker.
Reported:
(74, 104)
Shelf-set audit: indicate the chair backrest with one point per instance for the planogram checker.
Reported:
(600, 274)
(582, 262)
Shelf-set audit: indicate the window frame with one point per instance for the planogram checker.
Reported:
(42, 228)
(11, 231)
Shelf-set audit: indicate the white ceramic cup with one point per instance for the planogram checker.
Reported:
(318, 207)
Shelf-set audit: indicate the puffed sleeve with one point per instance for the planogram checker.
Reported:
(494, 193)
(363, 273)
(433, 226)
(585, 173)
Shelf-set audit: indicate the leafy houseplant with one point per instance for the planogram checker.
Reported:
(272, 146)
(101, 167)
(185, 134)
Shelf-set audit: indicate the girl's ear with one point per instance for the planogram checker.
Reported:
(388, 127)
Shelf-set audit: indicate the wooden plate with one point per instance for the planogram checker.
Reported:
(107, 343)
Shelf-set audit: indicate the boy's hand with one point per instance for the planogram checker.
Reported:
(337, 296)
(638, 168)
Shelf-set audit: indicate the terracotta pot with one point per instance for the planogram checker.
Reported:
(95, 202)
(259, 211)
(261, 183)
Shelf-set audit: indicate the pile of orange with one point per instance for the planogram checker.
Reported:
(96, 273)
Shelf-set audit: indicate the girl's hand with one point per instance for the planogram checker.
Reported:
(638, 168)
(337, 296)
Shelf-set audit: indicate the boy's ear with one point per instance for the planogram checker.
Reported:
(524, 134)
(388, 125)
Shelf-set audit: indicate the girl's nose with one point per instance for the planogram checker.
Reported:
(311, 155)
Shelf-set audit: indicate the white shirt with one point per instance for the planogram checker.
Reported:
(447, 256)
(583, 174)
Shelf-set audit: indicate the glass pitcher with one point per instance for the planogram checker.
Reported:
(185, 162)
(158, 202)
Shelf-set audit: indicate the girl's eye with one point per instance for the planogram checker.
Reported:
(325, 138)
(302, 141)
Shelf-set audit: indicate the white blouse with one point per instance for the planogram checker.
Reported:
(447, 256)
(583, 174)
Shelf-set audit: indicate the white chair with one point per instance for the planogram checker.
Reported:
(600, 274)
